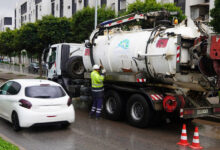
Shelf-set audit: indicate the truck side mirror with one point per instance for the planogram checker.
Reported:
(87, 44)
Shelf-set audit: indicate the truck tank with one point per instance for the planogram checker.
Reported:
(165, 54)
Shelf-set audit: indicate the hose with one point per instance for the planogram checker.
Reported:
(149, 40)
(92, 44)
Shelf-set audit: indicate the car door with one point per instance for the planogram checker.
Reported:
(11, 98)
(3, 96)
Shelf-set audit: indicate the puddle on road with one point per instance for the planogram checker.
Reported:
(208, 128)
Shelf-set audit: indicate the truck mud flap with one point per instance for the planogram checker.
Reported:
(199, 112)
(156, 100)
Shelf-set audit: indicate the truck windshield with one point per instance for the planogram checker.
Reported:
(44, 92)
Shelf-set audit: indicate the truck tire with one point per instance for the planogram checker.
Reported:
(113, 103)
(138, 111)
(75, 67)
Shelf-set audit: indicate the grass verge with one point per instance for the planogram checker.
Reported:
(21, 75)
(4, 145)
(40, 77)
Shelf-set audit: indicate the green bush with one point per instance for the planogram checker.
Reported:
(215, 14)
(152, 5)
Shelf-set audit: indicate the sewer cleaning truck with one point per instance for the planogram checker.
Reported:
(167, 71)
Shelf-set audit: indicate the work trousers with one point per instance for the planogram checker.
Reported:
(97, 102)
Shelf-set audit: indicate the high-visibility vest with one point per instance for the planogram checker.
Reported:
(97, 79)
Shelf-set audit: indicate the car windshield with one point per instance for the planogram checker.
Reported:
(44, 92)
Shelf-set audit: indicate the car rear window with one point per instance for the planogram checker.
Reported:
(44, 92)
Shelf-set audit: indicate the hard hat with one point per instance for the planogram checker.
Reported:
(95, 67)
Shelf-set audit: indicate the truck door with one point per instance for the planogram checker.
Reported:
(52, 63)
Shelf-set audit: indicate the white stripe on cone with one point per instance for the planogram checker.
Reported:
(183, 137)
(195, 140)
(183, 131)
(196, 134)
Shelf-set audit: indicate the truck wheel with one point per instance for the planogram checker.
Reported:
(75, 67)
(113, 105)
(138, 111)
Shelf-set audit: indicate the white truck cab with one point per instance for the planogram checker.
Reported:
(62, 59)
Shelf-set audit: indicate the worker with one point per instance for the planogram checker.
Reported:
(97, 78)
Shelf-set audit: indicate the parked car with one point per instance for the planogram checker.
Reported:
(7, 60)
(29, 102)
(33, 67)
(44, 68)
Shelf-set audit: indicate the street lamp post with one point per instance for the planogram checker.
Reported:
(96, 9)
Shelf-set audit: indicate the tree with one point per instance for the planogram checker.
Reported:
(53, 30)
(82, 22)
(7, 42)
(30, 41)
(152, 5)
(215, 14)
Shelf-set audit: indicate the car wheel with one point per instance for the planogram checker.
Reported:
(138, 111)
(113, 103)
(15, 121)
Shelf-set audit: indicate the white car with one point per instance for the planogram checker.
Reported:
(29, 102)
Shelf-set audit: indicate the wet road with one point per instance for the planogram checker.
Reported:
(89, 134)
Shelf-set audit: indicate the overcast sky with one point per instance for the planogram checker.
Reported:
(7, 7)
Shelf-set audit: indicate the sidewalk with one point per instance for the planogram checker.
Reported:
(8, 75)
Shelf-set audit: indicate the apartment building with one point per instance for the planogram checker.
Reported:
(6, 22)
(32, 10)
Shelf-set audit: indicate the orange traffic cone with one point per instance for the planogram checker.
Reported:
(195, 143)
(183, 139)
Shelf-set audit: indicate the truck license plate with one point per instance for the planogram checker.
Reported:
(202, 111)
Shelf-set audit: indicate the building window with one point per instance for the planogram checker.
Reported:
(22, 20)
(103, 2)
(85, 3)
(37, 1)
(61, 8)
(53, 8)
(29, 17)
(24, 8)
(74, 6)
(8, 21)
(181, 4)
(36, 12)
(122, 6)
(15, 19)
